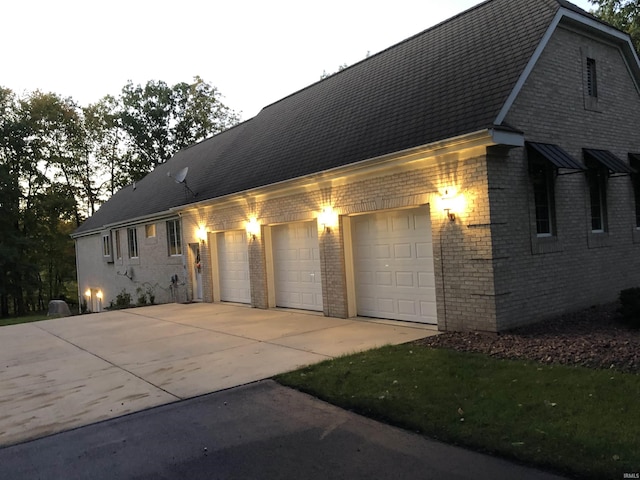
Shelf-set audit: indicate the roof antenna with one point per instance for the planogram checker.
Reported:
(181, 177)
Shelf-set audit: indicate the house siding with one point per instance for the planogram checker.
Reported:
(150, 271)
(578, 268)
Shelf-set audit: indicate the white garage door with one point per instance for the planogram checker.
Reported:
(233, 263)
(393, 265)
(296, 265)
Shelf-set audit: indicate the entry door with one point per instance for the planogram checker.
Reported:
(233, 264)
(296, 265)
(393, 265)
(197, 271)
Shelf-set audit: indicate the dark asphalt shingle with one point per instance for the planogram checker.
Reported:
(449, 80)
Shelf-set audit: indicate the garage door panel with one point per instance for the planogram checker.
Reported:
(393, 265)
(385, 305)
(426, 280)
(384, 279)
(296, 263)
(233, 265)
(305, 254)
(400, 223)
(424, 250)
(402, 250)
(381, 251)
(404, 279)
(407, 307)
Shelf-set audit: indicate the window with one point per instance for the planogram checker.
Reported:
(132, 235)
(150, 230)
(597, 178)
(542, 175)
(636, 194)
(592, 81)
(634, 160)
(106, 246)
(174, 239)
(118, 248)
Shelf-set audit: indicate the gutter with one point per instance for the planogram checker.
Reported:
(496, 135)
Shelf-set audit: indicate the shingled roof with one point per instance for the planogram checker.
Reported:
(449, 80)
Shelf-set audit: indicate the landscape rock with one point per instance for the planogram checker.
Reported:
(58, 308)
(592, 338)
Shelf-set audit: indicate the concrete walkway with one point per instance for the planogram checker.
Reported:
(64, 373)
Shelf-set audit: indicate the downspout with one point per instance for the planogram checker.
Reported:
(75, 242)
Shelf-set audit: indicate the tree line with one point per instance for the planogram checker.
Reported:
(60, 161)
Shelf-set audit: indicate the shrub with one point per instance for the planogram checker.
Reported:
(123, 300)
(630, 307)
(152, 295)
(142, 297)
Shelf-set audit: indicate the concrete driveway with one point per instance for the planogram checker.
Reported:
(64, 373)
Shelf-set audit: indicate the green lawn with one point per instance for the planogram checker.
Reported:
(26, 319)
(574, 420)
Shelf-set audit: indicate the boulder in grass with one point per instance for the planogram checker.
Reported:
(58, 308)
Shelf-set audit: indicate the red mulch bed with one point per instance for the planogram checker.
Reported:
(593, 338)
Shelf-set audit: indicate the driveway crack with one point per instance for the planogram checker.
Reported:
(110, 363)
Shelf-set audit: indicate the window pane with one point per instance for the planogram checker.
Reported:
(174, 240)
(636, 193)
(592, 81)
(544, 201)
(150, 230)
(118, 250)
(133, 242)
(597, 194)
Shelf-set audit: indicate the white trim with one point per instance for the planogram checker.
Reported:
(529, 68)
(474, 140)
(511, 139)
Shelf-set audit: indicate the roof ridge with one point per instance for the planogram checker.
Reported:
(387, 49)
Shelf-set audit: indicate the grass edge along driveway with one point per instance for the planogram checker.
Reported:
(573, 420)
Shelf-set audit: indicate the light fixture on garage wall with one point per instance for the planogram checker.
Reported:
(447, 202)
(253, 228)
(328, 219)
(202, 233)
(99, 297)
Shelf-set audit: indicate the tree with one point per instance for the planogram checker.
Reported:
(161, 120)
(106, 143)
(39, 142)
(622, 14)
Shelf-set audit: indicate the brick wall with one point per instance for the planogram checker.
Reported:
(150, 272)
(462, 249)
(538, 277)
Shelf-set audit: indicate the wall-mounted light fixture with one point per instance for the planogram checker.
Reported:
(202, 233)
(87, 293)
(328, 219)
(99, 297)
(253, 228)
(447, 202)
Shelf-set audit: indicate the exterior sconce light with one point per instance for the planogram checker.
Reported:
(328, 219)
(99, 297)
(253, 228)
(447, 203)
(202, 233)
(87, 293)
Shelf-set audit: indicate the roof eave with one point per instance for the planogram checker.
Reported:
(481, 138)
(166, 214)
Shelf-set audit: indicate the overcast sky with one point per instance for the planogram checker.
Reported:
(255, 52)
